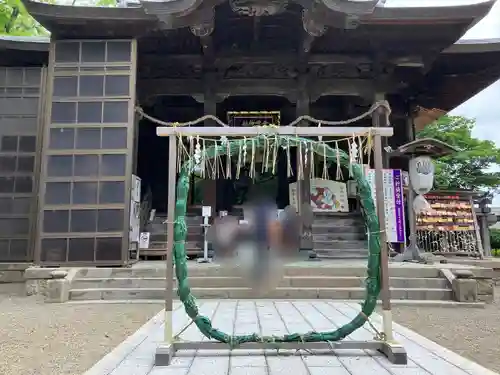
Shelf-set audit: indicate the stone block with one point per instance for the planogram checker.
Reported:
(14, 266)
(57, 291)
(485, 286)
(463, 274)
(36, 287)
(82, 295)
(97, 272)
(465, 290)
(11, 276)
(486, 290)
(486, 298)
(59, 274)
(39, 273)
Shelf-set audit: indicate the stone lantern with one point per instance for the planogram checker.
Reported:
(427, 147)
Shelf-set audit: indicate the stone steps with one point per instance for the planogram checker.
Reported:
(319, 269)
(238, 282)
(339, 244)
(334, 228)
(341, 282)
(341, 236)
(340, 254)
(158, 236)
(248, 293)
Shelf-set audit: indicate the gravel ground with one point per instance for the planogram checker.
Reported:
(49, 339)
(473, 333)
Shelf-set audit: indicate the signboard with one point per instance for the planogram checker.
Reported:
(393, 201)
(449, 213)
(136, 188)
(135, 209)
(135, 221)
(253, 118)
(450, 227)
(144, 240)
(326, 195)
(206, 211)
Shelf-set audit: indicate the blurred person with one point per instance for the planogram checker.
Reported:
(259, 246)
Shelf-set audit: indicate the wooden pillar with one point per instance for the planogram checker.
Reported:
(380, 120)
(304, 185)
(210, 185)
(385, 141)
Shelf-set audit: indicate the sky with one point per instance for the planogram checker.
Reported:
(485, 106)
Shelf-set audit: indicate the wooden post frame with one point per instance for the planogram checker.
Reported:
(169, 259)
(166, 351)
(217, 131)
(385, 292)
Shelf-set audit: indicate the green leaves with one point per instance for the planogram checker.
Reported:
(16, 21)
(470, 167)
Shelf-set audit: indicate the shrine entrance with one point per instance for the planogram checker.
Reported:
(227, 193)
(235, 193)
(152, 151)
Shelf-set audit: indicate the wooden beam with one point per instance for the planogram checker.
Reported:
(226, 59)
(334, 131)
(241, 87)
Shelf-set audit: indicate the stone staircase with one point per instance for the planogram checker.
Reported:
(158, 236)
(194, 240)
(341, 282)
(339, 236)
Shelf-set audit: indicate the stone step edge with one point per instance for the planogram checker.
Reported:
(349, 289)
(237, 277)
(395, 302)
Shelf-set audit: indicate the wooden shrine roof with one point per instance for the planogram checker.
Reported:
(140, 18)
(418, 43)
(425, 147)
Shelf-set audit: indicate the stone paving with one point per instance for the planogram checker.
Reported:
(135, 355)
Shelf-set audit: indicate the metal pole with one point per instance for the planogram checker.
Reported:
(384, 256)
(169, 291)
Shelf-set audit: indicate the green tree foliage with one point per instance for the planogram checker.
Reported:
(473, 165)
(106, 3)
(16, 21)
(495, 239)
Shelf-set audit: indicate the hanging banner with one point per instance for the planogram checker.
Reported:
(326, 195)
(393, 202)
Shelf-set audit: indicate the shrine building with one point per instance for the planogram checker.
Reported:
(72, 134)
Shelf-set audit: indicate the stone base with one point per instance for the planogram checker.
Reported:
(164, 354)
(465, 290)
(394, 352)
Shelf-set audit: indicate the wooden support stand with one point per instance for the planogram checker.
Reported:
(394, 352)
(165, 352)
